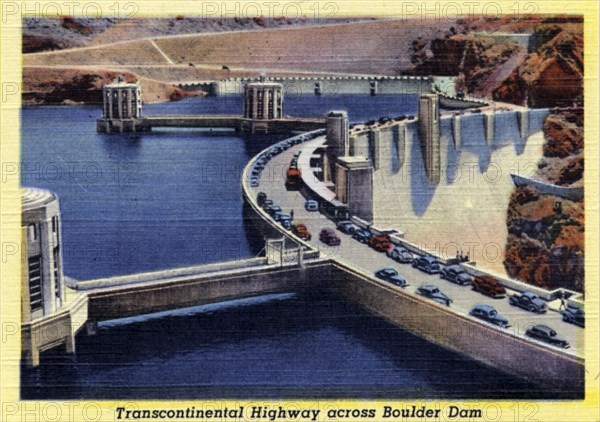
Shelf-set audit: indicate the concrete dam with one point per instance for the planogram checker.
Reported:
(331, 85)
(466, 210)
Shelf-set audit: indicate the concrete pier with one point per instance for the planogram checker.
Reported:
(122, 108)
(429, 132)
(489, 127)
(456, 131)
(337, 142)
(354, 185)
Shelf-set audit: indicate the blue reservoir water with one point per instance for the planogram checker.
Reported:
(139, 202)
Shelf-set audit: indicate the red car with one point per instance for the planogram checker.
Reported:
(329, 237)
(293, 179)
(302, 232)
(489, 286)
(381, 243)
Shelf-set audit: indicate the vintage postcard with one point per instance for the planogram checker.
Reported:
(299, 211)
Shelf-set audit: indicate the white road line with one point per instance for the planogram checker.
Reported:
(161, 52)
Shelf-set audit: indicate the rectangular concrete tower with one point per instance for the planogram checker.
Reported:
(429, 134)
(354, 186)
(121, 107)
(337, 142)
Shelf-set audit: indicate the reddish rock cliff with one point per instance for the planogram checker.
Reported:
(472, 58)
(545, 245)
(553, 74)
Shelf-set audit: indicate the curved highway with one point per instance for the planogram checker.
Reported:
(355, 254)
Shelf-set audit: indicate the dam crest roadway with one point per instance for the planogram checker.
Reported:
(291, 263)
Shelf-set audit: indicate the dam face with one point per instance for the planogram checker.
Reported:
(466, 210)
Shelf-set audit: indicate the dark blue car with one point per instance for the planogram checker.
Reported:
(428, 264)
(529, 301)
(490, 314)
(574, 315)
(391, 275)
(456, 274)
(362, 235)
(547, 335)
(432, 292)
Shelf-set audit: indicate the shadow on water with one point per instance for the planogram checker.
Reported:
(254, 144)
(123, 146)
(236, 349)
(254, 237)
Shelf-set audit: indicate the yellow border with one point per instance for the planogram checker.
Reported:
(15, 410)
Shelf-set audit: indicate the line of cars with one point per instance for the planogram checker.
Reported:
(429, 264)
(293, 176)
(276, 149)
(455, 273)
(538, 332)
(527, 300)
(285, 220)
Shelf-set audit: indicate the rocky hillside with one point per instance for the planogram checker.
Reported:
(546, 73)
(472, 58)
(545, 245)
(562, 163)
(553, 74)
(43, 34)
(75, 86)
(46, 34)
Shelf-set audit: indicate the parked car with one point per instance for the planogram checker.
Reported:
(362, 235)
(400, 254)
(286, 222)
(574, 315)
(432, 292)
(293, 179)
(311, 205)
(529, 301)
(489, 286)
(490, 314)
(278, 216)
(547, 335)
(427, 263)
(392, 276)
(267, 203)
(381, 243)
(346, 226)
(329, 237)
(261, 198)
(272, 210)
(301, 231)
(456, 274)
